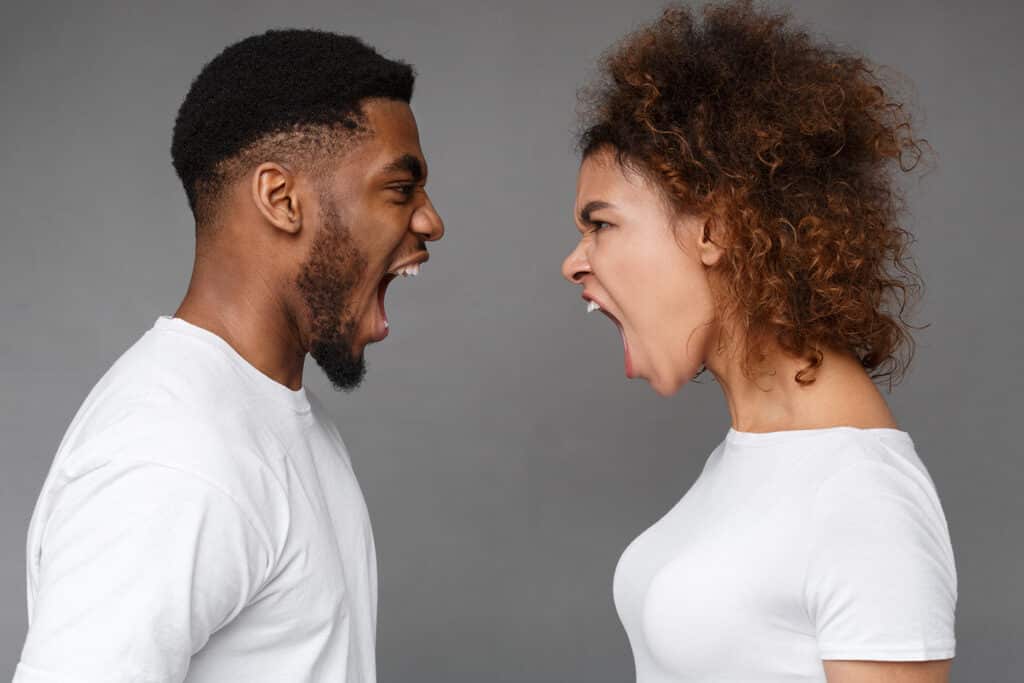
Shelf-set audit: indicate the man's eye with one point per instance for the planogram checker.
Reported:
(598, 225)
(405, 190)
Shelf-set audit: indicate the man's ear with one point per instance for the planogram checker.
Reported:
(275, 194)
(709, 242)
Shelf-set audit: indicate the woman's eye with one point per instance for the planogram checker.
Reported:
(598, 225)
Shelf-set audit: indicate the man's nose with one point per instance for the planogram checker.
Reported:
(427, 223)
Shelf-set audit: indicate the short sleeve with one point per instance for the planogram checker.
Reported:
(138, 566)
(881, 578)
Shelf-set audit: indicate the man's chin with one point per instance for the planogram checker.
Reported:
(345, 367)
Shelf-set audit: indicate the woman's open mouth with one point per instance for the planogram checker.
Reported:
(592, 306)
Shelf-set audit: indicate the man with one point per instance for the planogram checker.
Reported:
(201, 521)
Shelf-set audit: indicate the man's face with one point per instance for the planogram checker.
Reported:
(374, 221)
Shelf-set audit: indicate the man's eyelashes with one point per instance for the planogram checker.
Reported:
(406, 190)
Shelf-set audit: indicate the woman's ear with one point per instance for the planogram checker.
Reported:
(709, 243)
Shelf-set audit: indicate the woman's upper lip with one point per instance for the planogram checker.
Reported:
(587, 296)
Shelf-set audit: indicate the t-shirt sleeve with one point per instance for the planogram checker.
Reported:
(881, 578)
(139, 565)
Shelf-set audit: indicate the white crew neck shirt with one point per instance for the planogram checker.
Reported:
(202, 523)
(790, 548)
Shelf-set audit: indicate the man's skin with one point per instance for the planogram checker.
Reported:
(245, 284)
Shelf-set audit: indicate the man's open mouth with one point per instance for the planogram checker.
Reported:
(409, 268)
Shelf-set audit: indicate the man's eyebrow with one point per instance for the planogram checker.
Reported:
(590, 208)
(409, 164)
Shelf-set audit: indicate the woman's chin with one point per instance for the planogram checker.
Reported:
(665, 384)
(664, 387)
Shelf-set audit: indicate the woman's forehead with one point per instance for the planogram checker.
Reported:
(603, 178)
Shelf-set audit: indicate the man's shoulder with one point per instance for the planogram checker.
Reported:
(157, 440)
(170, 402)
(166, 379)
(176, 369)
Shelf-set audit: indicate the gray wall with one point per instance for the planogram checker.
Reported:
(505, 459)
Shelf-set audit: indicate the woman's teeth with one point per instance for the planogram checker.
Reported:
(592, 306)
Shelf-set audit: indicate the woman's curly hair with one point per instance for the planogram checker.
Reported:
(788, 146)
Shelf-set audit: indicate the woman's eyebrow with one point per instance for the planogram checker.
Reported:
(591, 207)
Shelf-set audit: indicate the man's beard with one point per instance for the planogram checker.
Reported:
(326, 281)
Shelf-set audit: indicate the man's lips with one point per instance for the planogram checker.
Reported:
(414, 260)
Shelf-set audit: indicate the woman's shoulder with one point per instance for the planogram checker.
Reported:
(880, 579)
(857, 470)
(881, 455)
(843, 459)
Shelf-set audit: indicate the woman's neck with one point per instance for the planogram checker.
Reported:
(770, 399)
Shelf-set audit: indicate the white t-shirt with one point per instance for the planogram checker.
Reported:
(792, 547)
(202, 523)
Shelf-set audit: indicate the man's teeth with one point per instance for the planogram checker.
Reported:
(592, 306)
(412, 270)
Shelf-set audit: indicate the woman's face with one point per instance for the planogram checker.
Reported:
(646, 268)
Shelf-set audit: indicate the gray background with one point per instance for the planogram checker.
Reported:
(505, 460)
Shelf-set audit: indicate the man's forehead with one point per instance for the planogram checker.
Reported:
(393, 142)
(391, 120)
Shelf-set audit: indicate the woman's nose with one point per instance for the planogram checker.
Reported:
(575, 265)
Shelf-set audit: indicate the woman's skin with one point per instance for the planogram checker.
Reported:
(648, 269)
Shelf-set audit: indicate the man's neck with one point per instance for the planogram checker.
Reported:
(251, 318)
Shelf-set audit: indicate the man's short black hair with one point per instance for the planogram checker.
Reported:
(296, 87)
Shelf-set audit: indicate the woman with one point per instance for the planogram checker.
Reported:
(737, 212)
